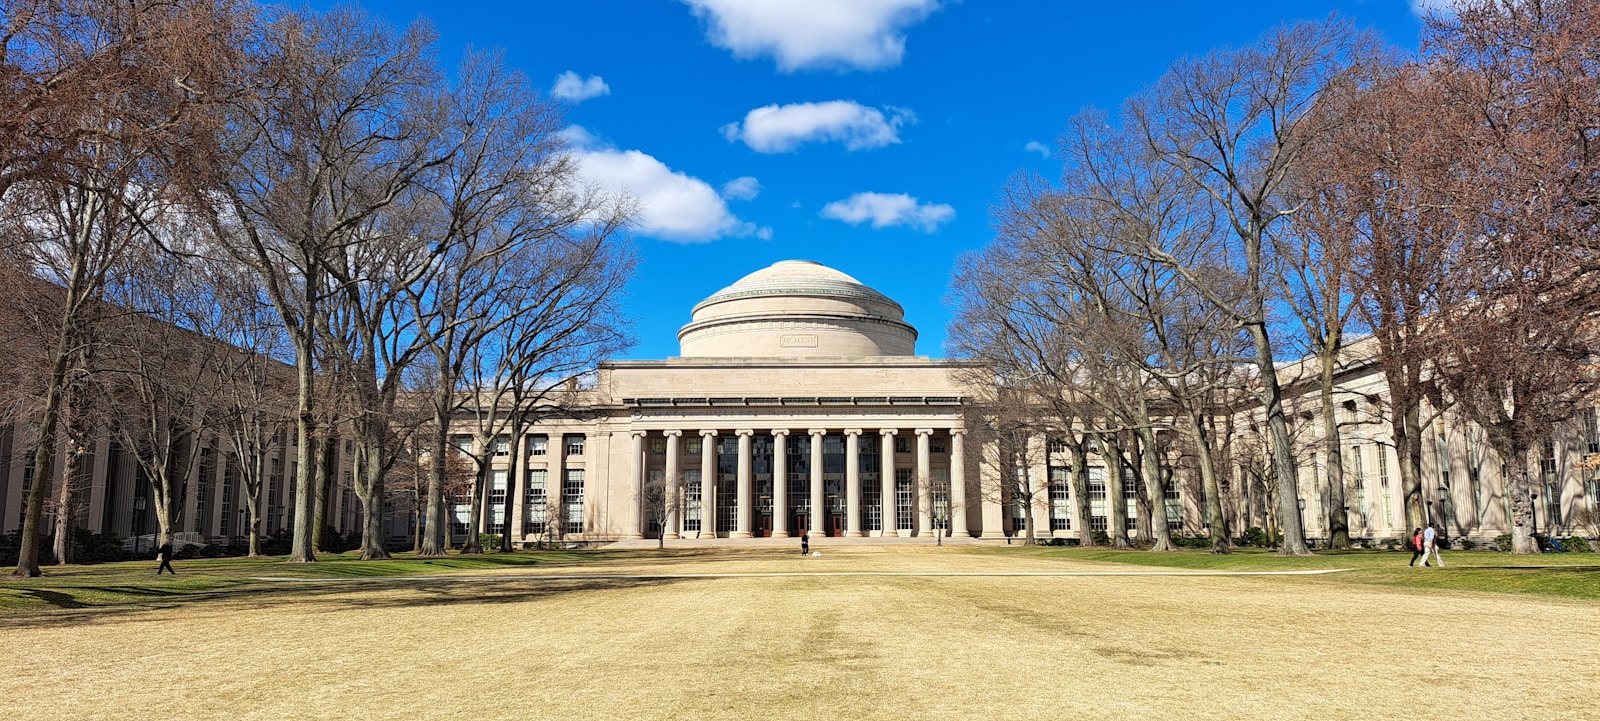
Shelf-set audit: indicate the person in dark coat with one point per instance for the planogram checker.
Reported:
(166, 559)
(805, 543)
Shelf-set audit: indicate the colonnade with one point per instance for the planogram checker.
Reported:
(745, 482)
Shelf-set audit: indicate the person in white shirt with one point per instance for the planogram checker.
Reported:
(1429, 545)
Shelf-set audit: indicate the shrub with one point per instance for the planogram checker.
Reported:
(1467, 544)
(1502, 542)
(1255, 536)
(1101, 538)
(488, 540)
(1577, 544)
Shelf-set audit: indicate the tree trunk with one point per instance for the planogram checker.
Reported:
(1117, 522)
(44, 460)
(305, 456)
(434, 543)
(1080, 491)
(1271, 396)
(477, 509)
(1408, 454)
(1338, 516)
(1220, 543)
(370, 491)
(1155, 481)
(518, 453)
(1522, 503)
(327, 456)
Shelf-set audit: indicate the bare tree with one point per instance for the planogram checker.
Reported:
(332, 135)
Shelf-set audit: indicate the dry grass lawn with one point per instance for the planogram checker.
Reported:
(817, 647)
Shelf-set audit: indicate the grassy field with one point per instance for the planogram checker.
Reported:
(698, 634)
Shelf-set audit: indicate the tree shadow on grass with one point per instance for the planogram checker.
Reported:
(334, 596)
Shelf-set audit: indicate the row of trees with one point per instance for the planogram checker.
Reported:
(250, 220)
(1276, 199)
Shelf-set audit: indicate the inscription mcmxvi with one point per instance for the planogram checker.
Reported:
(797, 340)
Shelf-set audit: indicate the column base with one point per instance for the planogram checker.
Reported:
(993, 534)
(672, 536)
(780, 534)
(632, 536)
(739, 534)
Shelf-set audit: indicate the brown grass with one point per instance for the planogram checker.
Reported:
(817, 647)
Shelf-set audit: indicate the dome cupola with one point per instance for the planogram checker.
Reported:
(797, 308)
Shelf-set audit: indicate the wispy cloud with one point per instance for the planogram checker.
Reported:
(744, 188)
(1035, 146)
(575, 89)
(782, 128)
(842, 34)
(884, 210)
(673, 206)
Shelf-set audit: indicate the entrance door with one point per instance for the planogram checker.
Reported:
(836, 524)
(764, 525)
(798, 523)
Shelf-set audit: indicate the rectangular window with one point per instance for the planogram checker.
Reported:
(1381, 458)
(462, 443)
(538, 445)
(208, 471)
(941, 497)
(727, 483)
(1057, 445)
(537, 501)
(691, 446)
(230, 473)
(902, 444)
(905, 499)
(653, 516)
(692, 489)
(1550, 488)
(1358, 478)
(1097, 498)
(869, 464)
(936, 444)
(502, 446)
(497, 501)
(1060, 494)
(1591, 431)
(658, 446)
(574, 442)
(572, 499)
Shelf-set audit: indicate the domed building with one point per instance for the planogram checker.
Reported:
(798, 403)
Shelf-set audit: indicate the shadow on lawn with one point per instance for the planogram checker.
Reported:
(378, 594)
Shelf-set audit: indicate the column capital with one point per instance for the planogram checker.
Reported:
(745, 432)
(958, 431)
(924, 431)
(888, 431)
(817, 431)
(780, 431)
(852, 431)
(638, 434)
(708, 434)
(672, 433)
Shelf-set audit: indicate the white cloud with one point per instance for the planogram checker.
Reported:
(572, 88)
(745, 188)
(782, 128)
(845, 34)
(672, 205)
(889, 209)
(1035, 146)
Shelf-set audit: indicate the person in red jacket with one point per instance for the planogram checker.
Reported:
(1416, 547)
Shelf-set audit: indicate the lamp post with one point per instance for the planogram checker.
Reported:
(1444, 508)
(1301, 503)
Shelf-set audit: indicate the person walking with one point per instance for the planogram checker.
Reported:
(1415, 544)
(166, 559)
(1430, 544)
(805, 543)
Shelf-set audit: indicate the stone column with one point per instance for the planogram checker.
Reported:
(741, 525)
(635, 527)
(852, 482)
(780, 483)
(674, 488)
(891, 522)
(958, 484)
(708, 484)
(990, 484)
(516, 503)
(924, 491)
(817, 511)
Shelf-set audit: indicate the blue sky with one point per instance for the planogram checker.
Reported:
(868, 135)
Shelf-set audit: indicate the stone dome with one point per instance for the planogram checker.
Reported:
(797, 308)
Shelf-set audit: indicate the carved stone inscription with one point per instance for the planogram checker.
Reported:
(797, 340)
